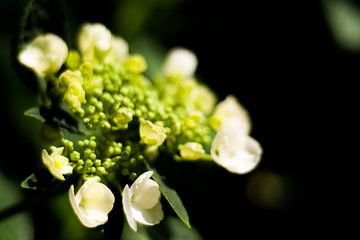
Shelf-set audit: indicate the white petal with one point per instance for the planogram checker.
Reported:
(97, 198)
(94, 37)
(92, 203)
(66, 170)
(236, 152)
(181, 62)
(57, 151)
(148, 216)
(119, 51)
(45, 54)
(126, 201)
(143, 177)
(147, 194)
(84, 219)
(49, 163)
(231, 112)
(134, 209)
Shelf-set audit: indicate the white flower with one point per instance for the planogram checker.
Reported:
(235, 151)
(231, 112)
(180, 61)
(141, 202)
(92, 202)
(44, 55)
(57, 164)
(119, 50)
(94, 40)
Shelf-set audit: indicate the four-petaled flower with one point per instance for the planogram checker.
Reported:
(141, 201)
(92, 202)
(57, 164)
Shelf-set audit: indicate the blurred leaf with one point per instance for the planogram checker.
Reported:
(34, 113)
(171, 228)
(153, 52)
(59, 118)
(344, 21)
(16, 227)
(173, 198)
(175, 230)
(71, 228)
(129, 234)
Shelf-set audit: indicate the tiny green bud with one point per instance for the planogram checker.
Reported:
(73, 60)
(88, 163)
(101, 171)
(97, 162)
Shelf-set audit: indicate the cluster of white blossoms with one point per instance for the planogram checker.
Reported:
(185, 134)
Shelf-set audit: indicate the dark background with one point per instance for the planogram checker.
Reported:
(279, 59)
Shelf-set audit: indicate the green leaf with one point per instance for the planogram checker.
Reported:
(18, 226)
(172, 197)
(344, 21)
(34, 113)
(30, 182)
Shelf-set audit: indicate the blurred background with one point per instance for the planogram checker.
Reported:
(292, 64)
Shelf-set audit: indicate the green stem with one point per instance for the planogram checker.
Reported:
(24, 19)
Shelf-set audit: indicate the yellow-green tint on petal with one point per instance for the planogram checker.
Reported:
(57, 164)
(203, 99)
(152, 134)
(87, 70)
(92, 84)
(70, 77)
(194, 119)
(191, 151)
(135, 64)
(44, 55)
(74, 96)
